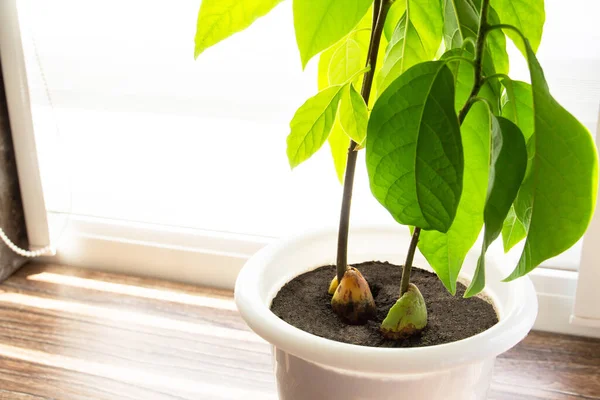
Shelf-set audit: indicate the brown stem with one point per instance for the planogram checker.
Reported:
(409, 261)
(380, 11)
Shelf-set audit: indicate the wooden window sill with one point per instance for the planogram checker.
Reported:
(68, 333)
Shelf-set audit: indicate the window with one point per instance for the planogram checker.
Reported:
(145, 148)
(586, 311)
(160, 138)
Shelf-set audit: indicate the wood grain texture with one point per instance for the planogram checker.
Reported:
(70, 334)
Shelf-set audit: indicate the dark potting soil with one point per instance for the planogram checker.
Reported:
(305, 304)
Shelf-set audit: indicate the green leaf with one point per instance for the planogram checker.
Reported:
(524, 201)
(518, 105)
(495, 47)
(346, 61)
(346, 57)
(461, 22)
(375, 90)
(464, 75)
(219, 19)
(527, 15)
(312, 124)
(354, 115)
(495, 57)
(416, 38)
(396, 12)
(319, 24)
(513, 230)
(337, 65)
(507, 169)
(349, 58)
(564, 178)
(323, 68)
(414, 153)
(464, 79)
(338, 144)
(446, 252)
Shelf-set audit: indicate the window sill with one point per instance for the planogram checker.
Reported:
(214, 259)
(108, 336)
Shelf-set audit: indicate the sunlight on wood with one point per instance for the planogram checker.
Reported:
(61, 343)
(147, 293)
(129, 375)
(130, 317)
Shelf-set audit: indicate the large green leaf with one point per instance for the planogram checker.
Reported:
(507, 169)
(518, 105)
(319, 24)
(339, 143)
(564, 177)
(446, 252)
(416, 38)
(312, 124)
(513, 230)
(219, 19)
(414, 153)
(527, 15)
(354, 114)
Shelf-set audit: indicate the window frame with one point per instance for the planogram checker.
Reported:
(21, 123)
(586, 311)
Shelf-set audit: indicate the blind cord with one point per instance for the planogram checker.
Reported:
(44, 251)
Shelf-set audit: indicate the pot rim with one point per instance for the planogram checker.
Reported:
(513, 326)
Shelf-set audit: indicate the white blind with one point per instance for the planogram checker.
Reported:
(148, 134)
(154, 136)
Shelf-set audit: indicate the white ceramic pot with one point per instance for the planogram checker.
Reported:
(309, 367)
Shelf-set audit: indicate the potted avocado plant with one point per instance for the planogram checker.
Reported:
(454, 148)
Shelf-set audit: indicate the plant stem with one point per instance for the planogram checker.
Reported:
(409, 261)
(380, 10)
(479, 46)
(479, 81)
